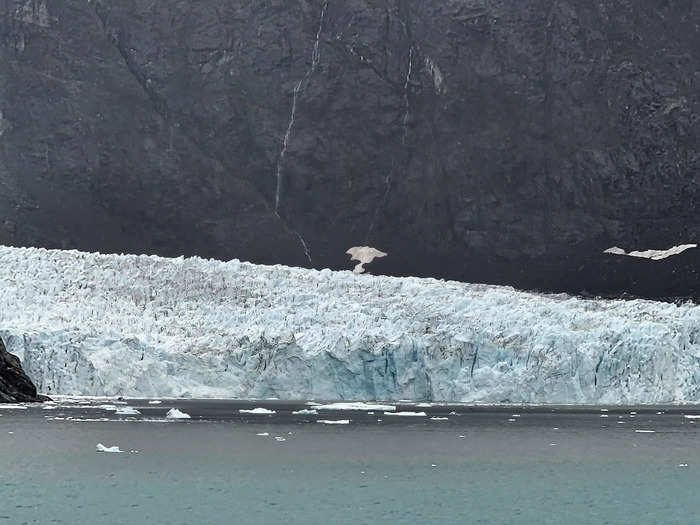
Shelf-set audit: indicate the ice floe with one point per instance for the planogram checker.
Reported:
(258, 410)
(102, 448)
(174, 413)
(406, 414)
(305, 412)
(334, 421)
(127, 411)
(355, 406)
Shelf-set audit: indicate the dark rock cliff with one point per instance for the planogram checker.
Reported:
(480, 140)
(15, 386)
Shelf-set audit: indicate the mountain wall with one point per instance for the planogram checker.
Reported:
(479, 140)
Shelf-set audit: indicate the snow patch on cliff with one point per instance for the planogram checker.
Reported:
(655, 255)
(109, 325)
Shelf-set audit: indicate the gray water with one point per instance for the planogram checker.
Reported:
(547, 465)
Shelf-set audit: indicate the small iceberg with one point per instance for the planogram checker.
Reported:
(692, 416)
(305, 412)
(355, 406)
(645, 431)
(262, 434)
(127, 411)
(154, 402)
(334, 422)
(174, 413)
(101, 448)
(439, 418)
(280, 438)
(407, 414)
(258, 410)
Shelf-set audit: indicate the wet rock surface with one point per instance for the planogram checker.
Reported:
(15, 386)
(482, 141)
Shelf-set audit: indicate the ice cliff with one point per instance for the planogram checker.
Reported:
(96, 324)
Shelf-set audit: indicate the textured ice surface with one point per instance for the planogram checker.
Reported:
(87, 324)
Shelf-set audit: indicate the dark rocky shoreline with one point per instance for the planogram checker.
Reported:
(15, 385)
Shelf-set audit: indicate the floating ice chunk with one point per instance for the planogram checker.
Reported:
(604, 410)
(174, 413)
(439, 418)
(258, 410)
(406, 413)
(305, 412)
(13, 406)
(512, 420)
(682, 465)
(280, 438)
(101, 448)
(645, 431)
(154, 402)
(355, 406)
(692, 416)
(603, 415)
(424, 405)
(262, 434)
(127, 411)
(334, 421)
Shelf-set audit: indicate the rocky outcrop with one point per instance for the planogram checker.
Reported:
(484, 140)
(15, 386)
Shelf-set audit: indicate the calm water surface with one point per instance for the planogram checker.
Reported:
(505, 465)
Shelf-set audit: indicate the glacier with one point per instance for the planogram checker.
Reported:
(145, 326)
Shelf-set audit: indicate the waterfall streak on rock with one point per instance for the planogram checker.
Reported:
(315, 59)
(405, 95)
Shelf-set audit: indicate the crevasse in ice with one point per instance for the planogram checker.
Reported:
(91, 324)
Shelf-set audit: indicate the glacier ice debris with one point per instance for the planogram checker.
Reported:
(102, 448)
(142, 326)
(174, 413)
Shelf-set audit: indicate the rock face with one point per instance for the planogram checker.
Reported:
(15, 386)
(482, 140)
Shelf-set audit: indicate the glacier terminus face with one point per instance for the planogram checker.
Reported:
(107, 325)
